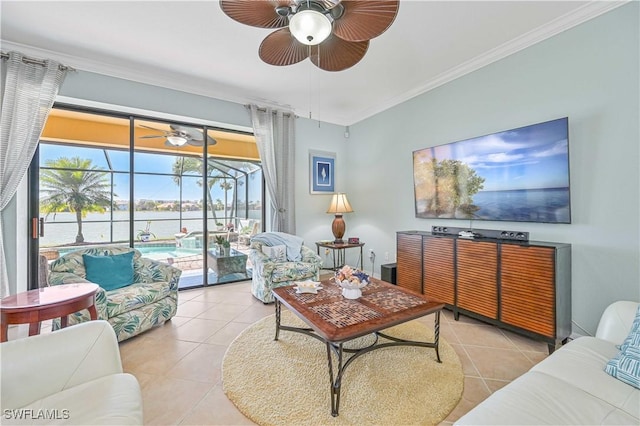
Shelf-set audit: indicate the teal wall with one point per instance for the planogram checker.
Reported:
(589, 73)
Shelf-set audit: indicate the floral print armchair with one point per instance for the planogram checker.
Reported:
(268, 273)
(151, 300)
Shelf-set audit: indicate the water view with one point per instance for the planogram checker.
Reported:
(62, 228)
(525, 205)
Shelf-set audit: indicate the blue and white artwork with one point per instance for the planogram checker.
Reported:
(322, 172)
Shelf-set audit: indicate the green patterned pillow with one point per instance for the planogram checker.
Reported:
(110, 272)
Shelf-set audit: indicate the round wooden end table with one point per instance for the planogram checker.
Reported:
(33, 306)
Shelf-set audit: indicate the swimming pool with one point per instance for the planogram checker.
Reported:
(161, 252)
(165, 252)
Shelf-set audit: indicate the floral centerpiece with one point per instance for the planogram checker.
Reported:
(351, 280)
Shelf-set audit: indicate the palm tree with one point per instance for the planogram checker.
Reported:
(74, 184)
(226, 186)
(194, 165)
(214, 169)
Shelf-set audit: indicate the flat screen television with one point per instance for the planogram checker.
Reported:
(519, 175)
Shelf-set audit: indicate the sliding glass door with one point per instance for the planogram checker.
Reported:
(147, 184)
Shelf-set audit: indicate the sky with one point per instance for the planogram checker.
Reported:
(146, 187)
(530, 157)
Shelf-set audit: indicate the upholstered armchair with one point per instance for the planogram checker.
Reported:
(73, 376)
(269, 272)
(150, 300)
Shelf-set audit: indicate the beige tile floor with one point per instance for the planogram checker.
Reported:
(178, 364)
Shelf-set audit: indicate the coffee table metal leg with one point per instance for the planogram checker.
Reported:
(436, 335)
(278, 312)
(337, 381)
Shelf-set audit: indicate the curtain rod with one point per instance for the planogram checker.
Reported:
(286, 114)
(28, 60)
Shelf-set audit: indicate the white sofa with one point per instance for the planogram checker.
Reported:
(570, 386)
(70, 376)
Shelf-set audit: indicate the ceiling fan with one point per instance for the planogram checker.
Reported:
(334, 34)
(179, 136)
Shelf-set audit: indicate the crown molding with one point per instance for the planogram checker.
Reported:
(142, 74)
(578, 16)
(131, 71)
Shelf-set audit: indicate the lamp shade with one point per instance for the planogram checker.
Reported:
(339, 204)
(310, 27)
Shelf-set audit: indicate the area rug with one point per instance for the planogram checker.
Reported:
(286, 382)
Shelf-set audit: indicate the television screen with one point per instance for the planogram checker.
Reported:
(519, 175)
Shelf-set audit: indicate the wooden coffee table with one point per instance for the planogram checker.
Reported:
(335, 320)
(57, 301)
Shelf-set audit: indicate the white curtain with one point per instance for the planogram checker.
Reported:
(28, 89)
(274, 131)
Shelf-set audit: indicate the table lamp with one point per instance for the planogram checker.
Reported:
(339, 205)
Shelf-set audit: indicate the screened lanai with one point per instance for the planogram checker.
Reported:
(111, 180)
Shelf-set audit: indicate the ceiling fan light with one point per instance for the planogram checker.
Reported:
(310, 27)
(177, 140)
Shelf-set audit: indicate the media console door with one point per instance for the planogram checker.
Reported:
(528, 288)
(409, 261)
(438, 260)
(477, 284)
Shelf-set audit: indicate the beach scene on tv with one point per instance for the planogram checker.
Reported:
(519, 175)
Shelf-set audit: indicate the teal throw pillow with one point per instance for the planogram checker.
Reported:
(110, 272)
(625, 366)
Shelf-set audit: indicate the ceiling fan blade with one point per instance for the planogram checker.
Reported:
(260, 14)
(194, 142)
(282, 48)
(335, 54)
(153, 128)
(364, 20)
(152, 137)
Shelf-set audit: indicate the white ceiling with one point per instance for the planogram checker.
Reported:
(194, 47)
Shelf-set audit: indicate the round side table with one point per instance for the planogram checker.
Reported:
(33, 306)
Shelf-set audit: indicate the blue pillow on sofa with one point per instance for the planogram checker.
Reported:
(626, 365)
(110, 272)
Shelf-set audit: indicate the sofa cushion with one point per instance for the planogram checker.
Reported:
(135, 296)
(109, 272)
(540, 399)
(111, 400)
(580, 363)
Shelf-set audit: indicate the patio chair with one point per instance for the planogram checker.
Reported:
(247, 231)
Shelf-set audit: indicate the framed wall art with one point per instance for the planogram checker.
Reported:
(323, 175)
